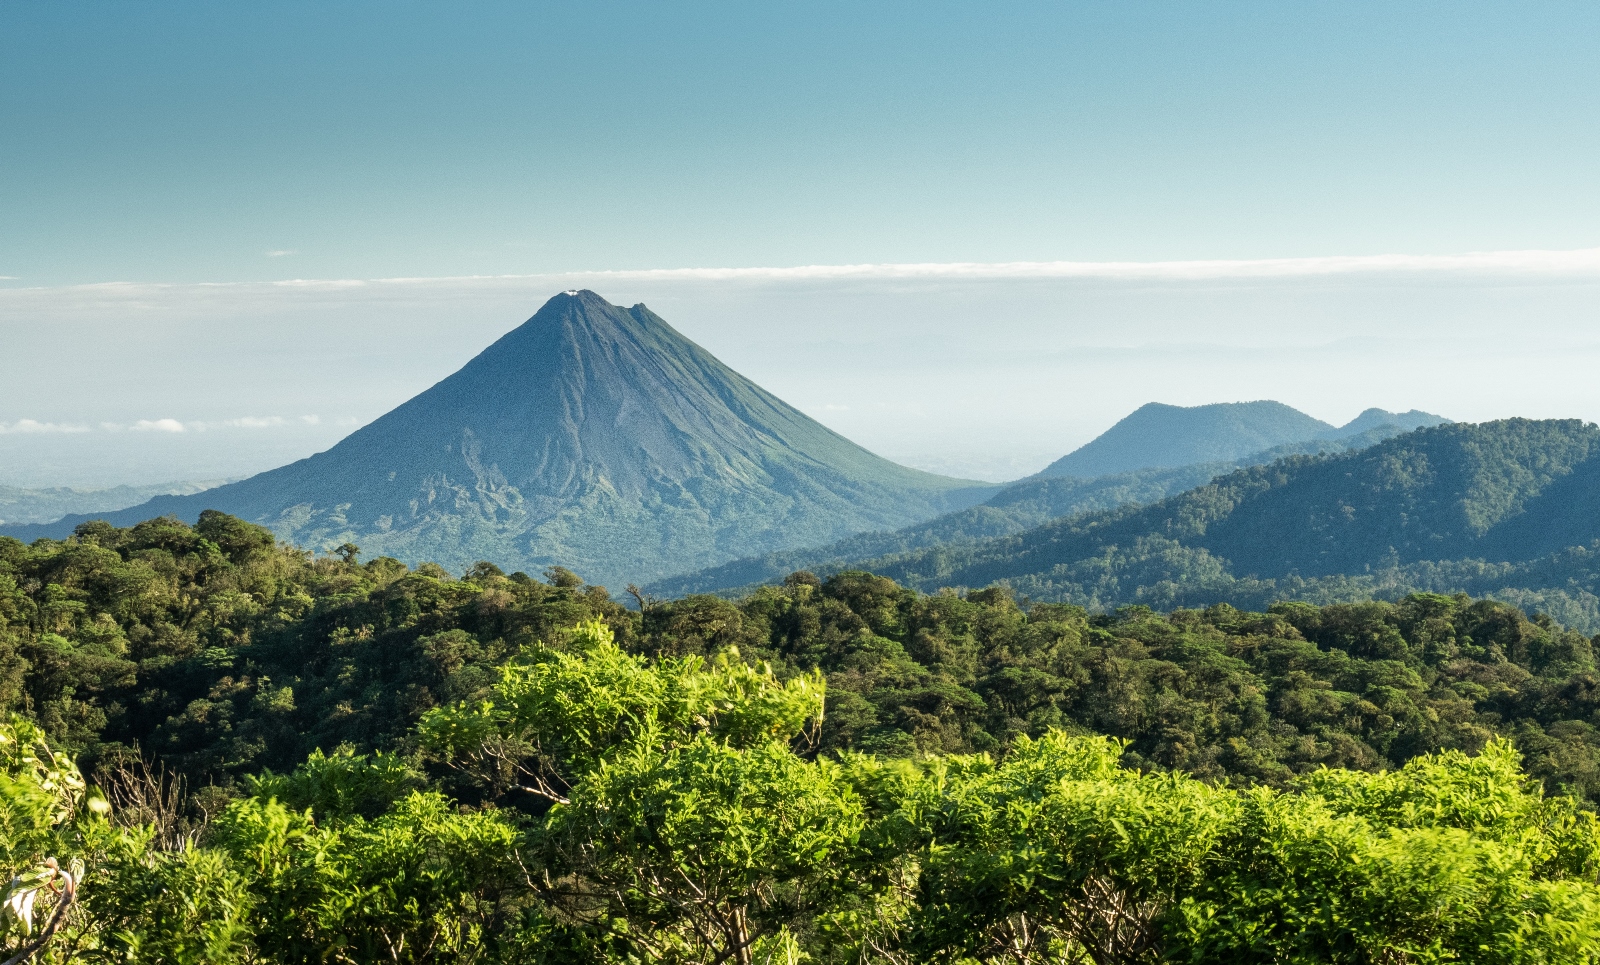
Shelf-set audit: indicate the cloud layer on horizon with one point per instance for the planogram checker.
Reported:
(1536, 263)
(35, 427)
(981, 370)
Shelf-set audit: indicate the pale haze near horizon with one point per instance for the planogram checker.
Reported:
(196, 154)
(987, 378)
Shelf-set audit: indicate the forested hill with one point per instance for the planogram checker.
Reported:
(1018, 507)
(591, 436)
(223, 750)
(1500, 506)
(218, 652)
(1164, 436)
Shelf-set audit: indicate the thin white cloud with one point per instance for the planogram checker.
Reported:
(1532, 263)
(165, 425)
(158, 425)
(33, 426)
(253, 422)
(258, 422)
(1583, 261)
(242, 422)
(282, 253)
(336, 283)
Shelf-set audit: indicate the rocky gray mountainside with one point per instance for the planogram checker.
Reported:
(592, 437)
(1158, 436)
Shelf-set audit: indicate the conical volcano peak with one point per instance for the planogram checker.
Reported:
(577, 337)
(585, 298)
(578, 304)
(574, 302)
(593, 437)
(582, 313)
(582, 299)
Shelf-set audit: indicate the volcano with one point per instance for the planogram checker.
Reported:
(1157, 436)
(591, 437)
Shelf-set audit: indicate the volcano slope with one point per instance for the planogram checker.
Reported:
(591, 437)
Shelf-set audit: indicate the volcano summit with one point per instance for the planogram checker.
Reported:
(592, 437)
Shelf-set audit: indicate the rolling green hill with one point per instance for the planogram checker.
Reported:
(1508, 508)
(1017, 507)
(592, 437)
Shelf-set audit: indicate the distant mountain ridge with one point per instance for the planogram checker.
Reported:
(1373, 418)
(1014, 509)
(592, 437)
(1508, 508)
(22, 506)
(1159, 436)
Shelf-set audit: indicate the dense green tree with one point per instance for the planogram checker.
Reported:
(220, 652)
(1060, 853)
(709, 851)
(47, 827)
(558, 715)
(685, 817)
(216, 651)
(1446, 859)
(323, 759)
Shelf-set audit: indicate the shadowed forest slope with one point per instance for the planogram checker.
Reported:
(1018, 507)
(1510, 508)
(219, 653)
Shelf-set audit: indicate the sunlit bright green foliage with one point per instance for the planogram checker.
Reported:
(556, 715)
(47, 825)
(370, 763)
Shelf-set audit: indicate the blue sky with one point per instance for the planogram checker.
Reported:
(166, 168)
(185, 141)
